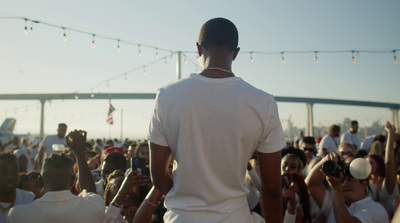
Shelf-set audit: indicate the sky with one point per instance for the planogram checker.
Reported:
(41, 62)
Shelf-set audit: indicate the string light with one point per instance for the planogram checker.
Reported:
(251, 57)
(126, 78)
(140, 51)
(394, 56)
(156, 52)
(76, 96)
(108, 83)
(172, 56)
(144, 70)
(65, 35)
(32, 25)
(283, 58)
(93, 45)
(352, 57)
(165, 61)
(26, 28)
(185, 61)
(92, 94)
(118, 48)
(316, 58)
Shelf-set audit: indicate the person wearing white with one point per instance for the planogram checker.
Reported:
(46, 149)
(212, 123)
(58, 204)
(347, 201)
(330, 142)
(352, 136)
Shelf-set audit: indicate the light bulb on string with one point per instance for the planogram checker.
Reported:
(144, 70)
(92, 94)
(185, 61)
(76, 96)
(26, 28)
(394, 56)
(165, 61)
(140, 51)
(64, 36)
(283, 58)
(172, 56)
(316, 57)
(108, 84)
(126, 78)
(251, 57)
(31, 25)
(118, 48)
(93, 45)
(156, 52)
(352, 57)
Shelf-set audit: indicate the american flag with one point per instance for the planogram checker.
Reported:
(109, 117)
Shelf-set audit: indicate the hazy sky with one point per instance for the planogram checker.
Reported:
(41, 62)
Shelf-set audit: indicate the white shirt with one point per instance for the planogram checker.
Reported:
(351, 138)
(23, 197)
(366, 144)
(213, 126)
(61, 207)
(330, 143)
(48, 142)
(366, 210)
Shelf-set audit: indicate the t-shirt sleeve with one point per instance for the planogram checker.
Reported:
(273, 138)
(156, 132)
(95, 198)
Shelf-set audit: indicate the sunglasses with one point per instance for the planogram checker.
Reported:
(308, 149)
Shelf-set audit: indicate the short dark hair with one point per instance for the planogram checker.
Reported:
(58, 161)
(9, 156)
(62, 125)
(117, 159)
(309, 140)
(353, 122)
(219, 32)
(334, 128)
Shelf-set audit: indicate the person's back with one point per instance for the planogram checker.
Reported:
(212, 123)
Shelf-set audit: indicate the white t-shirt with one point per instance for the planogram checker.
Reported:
(213, 126)
(61, 207)
(23, 197)
(366, 210)
(330, 143)
(351, 138)
(367, 143)
(48, 142)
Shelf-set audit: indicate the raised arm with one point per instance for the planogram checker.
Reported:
(271, 189)
(76, 141)
(315, 183)
(159, 161)
(390, 172)
(148, 206)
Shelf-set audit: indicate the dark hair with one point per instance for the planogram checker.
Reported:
(353, 122)
(117, 159)
(334, 128)
(58, 161)
(62, 125)
(380, 138)
(9, 156)
(219, 32)
(309, 140)
(114, 174)
(380, 162)
(137, 148)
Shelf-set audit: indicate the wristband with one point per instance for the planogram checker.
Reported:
(150, 203)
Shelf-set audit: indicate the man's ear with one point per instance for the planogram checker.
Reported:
(199, 49)
(235, 53)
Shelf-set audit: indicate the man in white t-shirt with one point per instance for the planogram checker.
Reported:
(10, 195)
(58, 204)
(212, 123)
(347, 201)
(352, 136)
(330, 142)
(46, 146)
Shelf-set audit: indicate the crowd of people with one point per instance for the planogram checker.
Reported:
(99, 172)
(216, 152)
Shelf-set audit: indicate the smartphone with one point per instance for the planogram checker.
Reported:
(141, 164)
